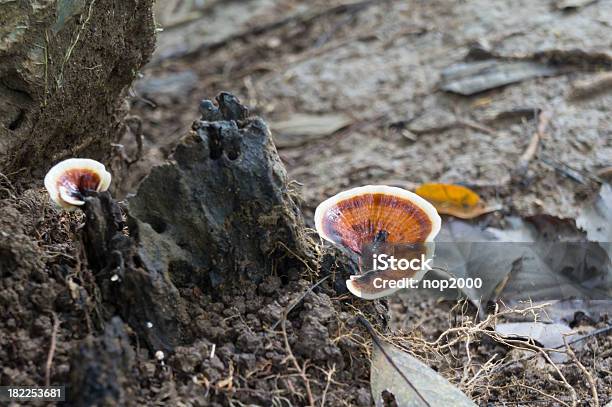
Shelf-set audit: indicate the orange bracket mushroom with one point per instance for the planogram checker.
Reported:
(374, 214)
(70, 180)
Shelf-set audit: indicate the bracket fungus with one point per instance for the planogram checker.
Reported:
(360, 219)
(69, 181)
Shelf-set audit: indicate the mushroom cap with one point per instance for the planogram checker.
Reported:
(356, 217)
(68, 180)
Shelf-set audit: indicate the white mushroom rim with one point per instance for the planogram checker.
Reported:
(68, 180)
(383, 287)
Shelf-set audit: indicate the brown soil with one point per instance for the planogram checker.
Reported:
(240, 353)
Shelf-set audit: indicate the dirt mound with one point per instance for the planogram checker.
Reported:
(260, 332)
(239, 352)
(35, 265)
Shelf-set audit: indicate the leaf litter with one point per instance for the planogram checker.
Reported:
(391, 368)
(301, 128)
(470, 78)
(455, 200)
(547, 335)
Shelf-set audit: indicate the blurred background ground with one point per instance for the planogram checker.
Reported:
(401, 93)
(365, 78)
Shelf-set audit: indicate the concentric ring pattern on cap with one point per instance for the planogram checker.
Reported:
(68, 180)
(354, 217)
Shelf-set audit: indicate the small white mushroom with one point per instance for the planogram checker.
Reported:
(212, 351)
(159, 355)
(68, 181)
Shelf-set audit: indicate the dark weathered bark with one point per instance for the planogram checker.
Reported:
(101, 371)
(64, 66)
(218, 215)
(144, 297)
(221, 212)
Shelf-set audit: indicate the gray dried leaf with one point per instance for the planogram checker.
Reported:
(432, 121)
(390, 370)
(571, 310)
(548, 335)
(572, 4)
(469, 78)
(596, 219)
(544, 259)
(302, 128)
(466, 251)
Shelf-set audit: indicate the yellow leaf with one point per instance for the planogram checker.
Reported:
(455, 200)
(448, 194)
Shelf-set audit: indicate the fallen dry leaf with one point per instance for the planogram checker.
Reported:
(544, 258)
(300, 128)
(548, 335)
(392, 368)
(455, 200)
(469, 78)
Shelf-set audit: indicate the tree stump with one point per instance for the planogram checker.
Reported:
(64, 67)
(221, 212)
(218, 215)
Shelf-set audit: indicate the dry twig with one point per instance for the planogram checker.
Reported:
(52, 346)
(587, 374)
(592, 86)
(530, 152)
(550, 396)
(328, 382)
(291, 357)
(469, 330)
